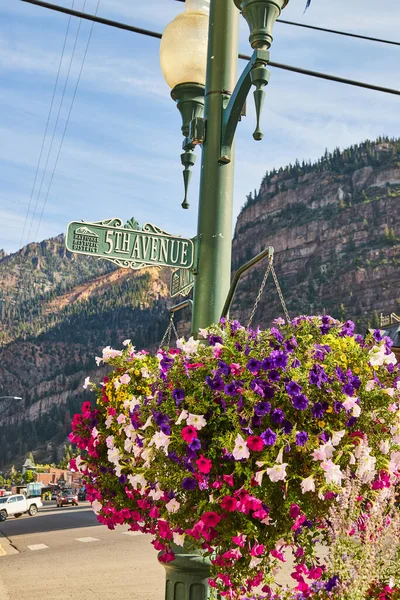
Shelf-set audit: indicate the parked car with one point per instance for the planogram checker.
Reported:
(82, 495)
(17, 505)
(66, 497)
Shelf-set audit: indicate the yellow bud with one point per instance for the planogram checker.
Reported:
(321, 423)
(329, 409)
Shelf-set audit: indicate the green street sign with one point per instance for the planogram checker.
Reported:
(129, 246)
(182, 282)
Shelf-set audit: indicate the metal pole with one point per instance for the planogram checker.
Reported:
(214, 232)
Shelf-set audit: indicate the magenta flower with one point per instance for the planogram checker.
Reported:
(204, 464)
(188, 434)
(229, 504)
(211, 519)
(255, 443)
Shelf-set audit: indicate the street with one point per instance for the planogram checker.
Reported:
(62, 553)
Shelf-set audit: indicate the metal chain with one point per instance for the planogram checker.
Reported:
(167, 335)
(174, 329)
(281, 298)
(264, 281)
(270, 269)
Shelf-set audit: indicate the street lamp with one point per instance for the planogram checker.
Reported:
(216, 90)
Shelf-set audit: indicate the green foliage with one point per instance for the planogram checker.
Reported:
(29, 476)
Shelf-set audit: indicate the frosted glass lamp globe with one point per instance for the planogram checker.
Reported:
(183, 50)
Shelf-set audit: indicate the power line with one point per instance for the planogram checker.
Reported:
(46, 128)
(335, 31)
(157, 35)
(55, 124)
(67, 121)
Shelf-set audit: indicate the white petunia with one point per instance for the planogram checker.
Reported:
(121, 419)
(337, 436)
(110, 441)
(136, 480)
(126, 342)
(109, 421)
(308, 484)
(87, 383)
(173, 506)
(148, 422)
(369, 386)
(125, 378)
(333, 473)
(384, 446)
(109, 352)
(160, 440)
(203, 333)
(258, 477)
(179, 538)
(240, 450)
(98, 360)
(196, 421)
(182, 417)
(97, 506)
(277, 472)
(190, 347)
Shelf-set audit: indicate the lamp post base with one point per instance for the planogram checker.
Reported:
(187, 576)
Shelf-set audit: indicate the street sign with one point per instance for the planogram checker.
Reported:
(182, 282)
(129, 246)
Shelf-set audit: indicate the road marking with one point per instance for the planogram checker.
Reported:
(37, 547)
(132, 532)
(87, 539)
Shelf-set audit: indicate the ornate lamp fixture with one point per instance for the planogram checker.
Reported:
(183, 58)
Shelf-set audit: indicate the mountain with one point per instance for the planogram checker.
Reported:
(335, 227)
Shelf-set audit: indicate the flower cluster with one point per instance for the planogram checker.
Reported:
(239, 446)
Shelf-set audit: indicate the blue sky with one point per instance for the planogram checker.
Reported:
(120, 156)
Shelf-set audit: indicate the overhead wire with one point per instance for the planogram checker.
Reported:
(335, 31)
(67, 121)
(56, 122)
(46, 128)
(155, 34)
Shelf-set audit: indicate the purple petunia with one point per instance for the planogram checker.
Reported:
(277, 334)
(287, 426)
(347, 329)
(377, 335)
(279, 359)
(301, 438)
(351, 422)
(214, 339)
(215, 384)
(195, 444)
(293, 388)
(274, 375)
(178, 395)
(337, 407)
(254, 365)
(166, 363)
(296, 363)
(317, 375)
(332, 583)
(269, 437)
(348, 389)
(262, 408)
(317, 410)
(231, 389)
(277, 416)
(189, 483)
(300, 402)
(123, 478)
(223, 368)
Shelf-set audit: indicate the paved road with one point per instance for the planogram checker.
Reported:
(63, 554)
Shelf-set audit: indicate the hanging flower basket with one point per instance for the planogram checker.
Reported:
(242, 447)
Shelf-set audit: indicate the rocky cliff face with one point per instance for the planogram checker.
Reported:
(336, 234)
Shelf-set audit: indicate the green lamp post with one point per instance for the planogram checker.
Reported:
(199, 56)
(199, 52)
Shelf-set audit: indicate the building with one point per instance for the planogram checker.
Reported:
(60, 477)
(390, 326)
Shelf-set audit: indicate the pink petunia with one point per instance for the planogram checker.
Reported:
(203, 464)
(188, 434)
(294, 511)
(228, 479)
(211, 519)
(239, 540)
(255, 443)
(229, 504)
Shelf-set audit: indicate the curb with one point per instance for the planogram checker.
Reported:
(6, 547)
